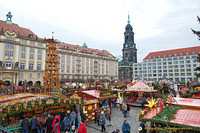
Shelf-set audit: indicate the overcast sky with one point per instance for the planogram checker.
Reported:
(157, 24)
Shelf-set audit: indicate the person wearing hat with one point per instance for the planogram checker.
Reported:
(102, 121)
(126, 128)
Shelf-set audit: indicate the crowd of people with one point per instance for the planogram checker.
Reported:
(62, 122)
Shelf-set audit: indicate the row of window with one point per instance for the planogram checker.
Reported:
(174, 58)
(22, 66)
(170, 74)
(175, 54)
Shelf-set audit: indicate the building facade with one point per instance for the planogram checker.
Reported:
(22, 57)
(22, 54)
(178, 65)
(129, 54)
(79, 63)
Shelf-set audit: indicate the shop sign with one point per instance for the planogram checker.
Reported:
(105, 94)
(50, 101)
(89, 107)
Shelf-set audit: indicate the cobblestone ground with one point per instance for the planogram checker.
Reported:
(117, 120)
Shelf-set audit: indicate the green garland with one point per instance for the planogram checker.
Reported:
(14, 112)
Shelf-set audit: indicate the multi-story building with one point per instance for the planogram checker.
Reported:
(177, 65)
(22, 57)
(79, 63)
(129, 54)
(22, 54)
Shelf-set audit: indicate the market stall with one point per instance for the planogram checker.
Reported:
(168, 117)
(138, 92)
(14, 108)
(94, 99)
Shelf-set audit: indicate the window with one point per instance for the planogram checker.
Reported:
(164, 59)
(164, 63)
(154, 56)
(189, 74)
(189, 70)
(38, 66)
(188, 61)
(39, 51)
(170, 54)
(171, 70)
(62, 60)
(38, 75)
(188, 65)
(187, 53)
(31, 56)
(181, 62)
(169, 63)
(9, 46)
(8, 64)
(175, 62)
(23, 41)
(193, 52)
(170, 66)
(30, 75)
(149, 57)
(40, 44)
(31, 49)
(182, 66)
(10, 39)
(187, 57)
(164, 66)
(164, 55)
(182, 74)
(158, 59)
(175, 54)
(175, 66)
(32, 43)
(175, 58)
(176, 74)
(159, 56)
(23, 55)
(23, 48)
(194, 65)
(9, 53)
(169, 59)
(181, 58)
(176, 70)
(181, 54)
(30, 66)
(39, 57)
(22, 66)
(182, 70)
(170, 74)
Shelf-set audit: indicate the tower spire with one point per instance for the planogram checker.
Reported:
(128, 18)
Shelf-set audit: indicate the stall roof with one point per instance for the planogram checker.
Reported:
(187, 117)
(5, 100)
(187, 102)
(94, 93)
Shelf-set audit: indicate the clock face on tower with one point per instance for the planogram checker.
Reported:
(126, 46)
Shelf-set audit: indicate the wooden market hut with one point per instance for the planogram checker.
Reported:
(92, 99)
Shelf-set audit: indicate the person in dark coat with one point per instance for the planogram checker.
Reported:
(66, 123)
(34, 125)
(25, 125)
(49, 123)
(142, 127)
(128, 109)
(126, 128)
(72, 117)
(102, 121)
(108, 117)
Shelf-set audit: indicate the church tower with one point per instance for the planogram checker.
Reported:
(129, 52)
(129, 47)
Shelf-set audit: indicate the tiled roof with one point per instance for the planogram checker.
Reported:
(173, 53)
(85, 50)
(24, 32)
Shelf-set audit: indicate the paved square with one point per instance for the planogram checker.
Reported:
(117, 120)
